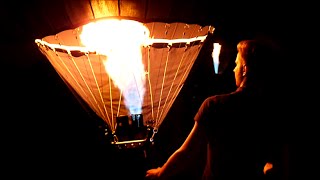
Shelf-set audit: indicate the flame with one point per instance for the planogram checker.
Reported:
(123, 54)
(215, 56)
(267, 167)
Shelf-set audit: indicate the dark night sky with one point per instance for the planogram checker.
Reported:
(45, 124)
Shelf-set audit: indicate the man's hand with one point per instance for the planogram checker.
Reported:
(153, 173)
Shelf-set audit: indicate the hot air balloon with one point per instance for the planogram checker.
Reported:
(129, 73)
(130, 84)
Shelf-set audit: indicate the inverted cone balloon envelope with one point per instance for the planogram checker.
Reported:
(155, 70)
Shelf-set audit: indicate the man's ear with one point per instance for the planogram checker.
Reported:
(244, 70)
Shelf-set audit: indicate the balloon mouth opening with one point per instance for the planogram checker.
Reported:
(148, 84)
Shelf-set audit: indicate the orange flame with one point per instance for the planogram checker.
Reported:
(123, 60)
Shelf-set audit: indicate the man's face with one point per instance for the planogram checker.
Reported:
(238, 70)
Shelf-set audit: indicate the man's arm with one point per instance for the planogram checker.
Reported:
(190, 152)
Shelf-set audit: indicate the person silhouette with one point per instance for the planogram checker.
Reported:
(235, 129)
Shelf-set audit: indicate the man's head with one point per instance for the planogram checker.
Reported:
(251, 62)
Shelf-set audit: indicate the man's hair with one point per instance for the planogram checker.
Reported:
(257, 56)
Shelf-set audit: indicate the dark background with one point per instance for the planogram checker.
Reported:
(48, 133)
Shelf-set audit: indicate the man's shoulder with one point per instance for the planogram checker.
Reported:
(220, 97)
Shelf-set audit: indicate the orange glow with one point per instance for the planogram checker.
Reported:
(268, 166)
